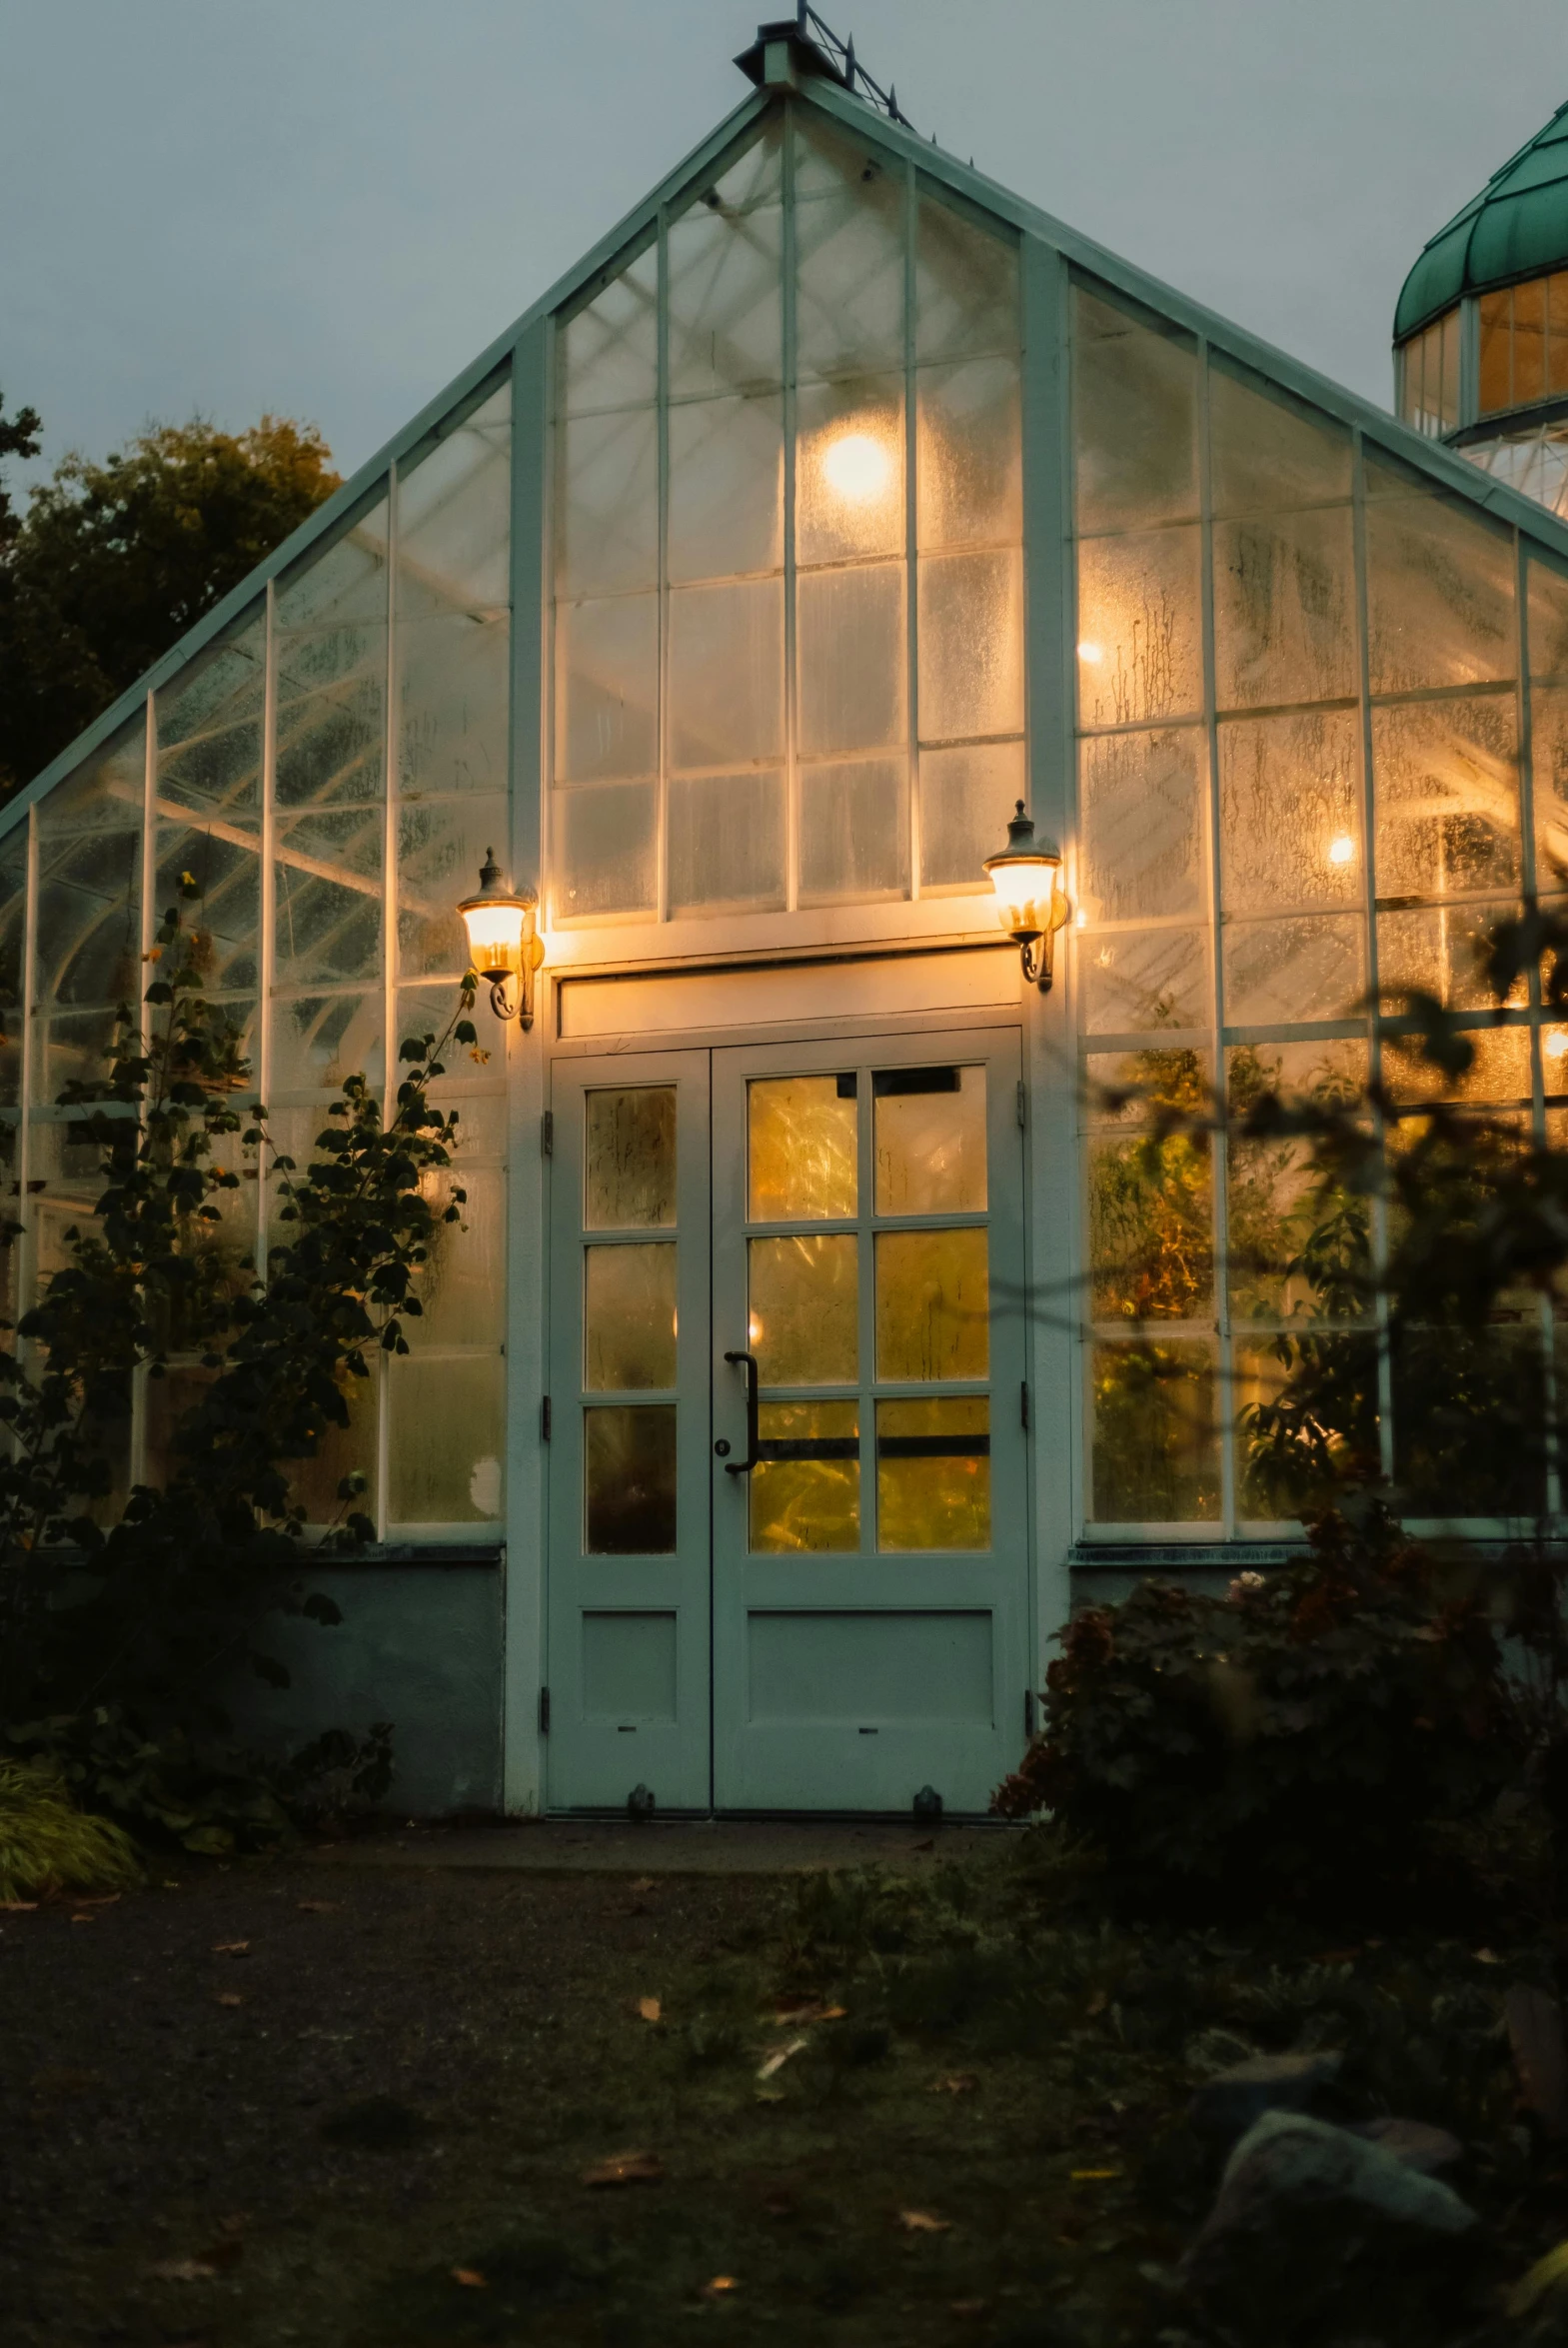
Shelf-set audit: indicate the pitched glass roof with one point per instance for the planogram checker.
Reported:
(1516, 227)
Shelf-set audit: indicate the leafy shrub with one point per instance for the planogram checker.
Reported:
(1288, 1743)
(46, 1844)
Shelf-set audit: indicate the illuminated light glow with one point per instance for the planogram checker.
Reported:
(1342, 850)
(857, 467)
(1555, 1042)
(753, 1330)
(1092, 653)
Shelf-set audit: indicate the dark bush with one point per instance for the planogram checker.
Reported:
(1288, 1744)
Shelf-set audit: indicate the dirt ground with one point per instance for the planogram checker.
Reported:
(294, 2101)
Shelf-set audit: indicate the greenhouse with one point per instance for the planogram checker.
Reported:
(807, 1345)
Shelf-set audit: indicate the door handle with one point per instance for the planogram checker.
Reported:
(745, 1466)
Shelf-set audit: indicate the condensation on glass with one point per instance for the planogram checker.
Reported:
(630, 1322)
(789, 581)
(1235, 896)
(891, 1309)
(321, 782)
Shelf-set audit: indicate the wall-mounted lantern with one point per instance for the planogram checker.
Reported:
(503, 946)
(1030, 900)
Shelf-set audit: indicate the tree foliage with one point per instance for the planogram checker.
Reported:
(114, 561)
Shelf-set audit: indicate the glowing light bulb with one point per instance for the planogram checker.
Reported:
(856, 467)
(1342, 851)
(1556, 1043)
(753, 1330)
(1092, 653)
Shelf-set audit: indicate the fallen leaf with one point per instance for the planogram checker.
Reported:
(649, 2008)
(470, 2278)
(17, 1907)
(643, 1885)
(1542, 2277)
(920, 2221)
(184, 2270)
(775, 2061)
(84, 1919)
(231, 1948)
(1487, 1957)
(321, 1908)
(625, 2168)
(1094, 2176)
(787, 2008)
(719, 2286)
(959, 2083)
(98, 1899)
(796, 2012)
(228, 1997)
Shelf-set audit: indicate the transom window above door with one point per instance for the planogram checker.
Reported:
(788, 642)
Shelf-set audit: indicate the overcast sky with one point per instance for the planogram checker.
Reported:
(327, 207)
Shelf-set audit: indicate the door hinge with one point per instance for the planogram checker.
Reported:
(543, 1711)
(1028, 1711)
(1024, 1406)
(1024, 1108)
(546, 1134)
(544, 1419)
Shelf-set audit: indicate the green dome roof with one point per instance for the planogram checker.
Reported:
(1516, 227)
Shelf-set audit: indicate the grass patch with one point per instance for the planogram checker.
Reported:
(48, 1845)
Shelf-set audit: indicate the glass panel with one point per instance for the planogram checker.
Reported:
(447, 1440)
(966, 800)
(440, 846)
(1549, 766)
(105, 794)
(965, 286)
(1548, 622)
(332, 716)
(607, 665)
(462, 1283)
(727, 673)
(1557, 326)
(934, 1474)
(1156, 979)
(849, 470)
(1496, 389)
(1311, 968)
(727, 291)
(210, 726)
(1530, 341)
(1446, 797)
(1156, 1445)
(970, 464)
(609, 502)
(605, 852)
(1298, 1249)
(1332, 1392)
(454, 518)
(328, 893)
(1450, 366)
(71, 1047)
(1139, 628)
(454, 684)
(1441, 950)
(848, 227)
(1134, 420)
(971, 644)
(855, 831)
(1284, 601)
(725, 488)
(89, 936)
(1467, 1412)
(1440, 590)
(1499, 1072)
(317, 1040)
(1290, 813)
(851, 659)
(1151, 1244)
(610, 350)
(226, 918)
(1269, 454)
(805, 1496)
(630, 1159)
(629, 1474)
(805, 1317)
(803, 1149)
(1142, 799)
(727, 844)
(929, 1126)
(341, 1452)
(932, 1304)
(628, 1315)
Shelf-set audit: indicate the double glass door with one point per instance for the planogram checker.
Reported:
(788, 1555)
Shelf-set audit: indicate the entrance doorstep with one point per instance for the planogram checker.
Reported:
(674, 1847)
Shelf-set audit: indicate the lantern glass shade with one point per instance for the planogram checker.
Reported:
(495, 927)
(1025, 889)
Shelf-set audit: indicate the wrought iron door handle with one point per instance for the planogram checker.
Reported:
(745, 1466)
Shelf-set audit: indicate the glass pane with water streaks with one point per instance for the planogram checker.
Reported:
(610, 348)
(1446, 793)
(225, 919)
(1298, 1246)
(1300, 967)
(106, 792)
(727, 842)
(440, 846)
(1134, 420)
(1136, 982)
(1444, 950)
(806, 1495)
(971, 454)
(630, 1159)
(971, 644)
(332, 714)
(210, 726)
(1151, 1199)
(1140, 650)
(609, 502)
(1270, 454)
(855, 831)
(965, 285)
(462, 1283)
(928, 1126)
(328, 895)
(932, 1304)
(629, 1317)
(89, 936)
(850, 251)
(317, 1040)
(803, 1149)
(454, 686)
(1440, 589)
(454, 516)
(934, 1473)
(605, 851)
(725, 260)
(1548, 600)
(725, 488)
(1142, 799)
(344, 586)
(727, 673)
(628, 1477)
(448, 1437)
(1285, 608)
(968, 796)
(850, 471)
(1290, 813)
(606, 689)
(1549, 766)
(1156, 1434)
(804, 1317)
(852, 657)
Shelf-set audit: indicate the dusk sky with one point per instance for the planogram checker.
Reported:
(325, 208)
